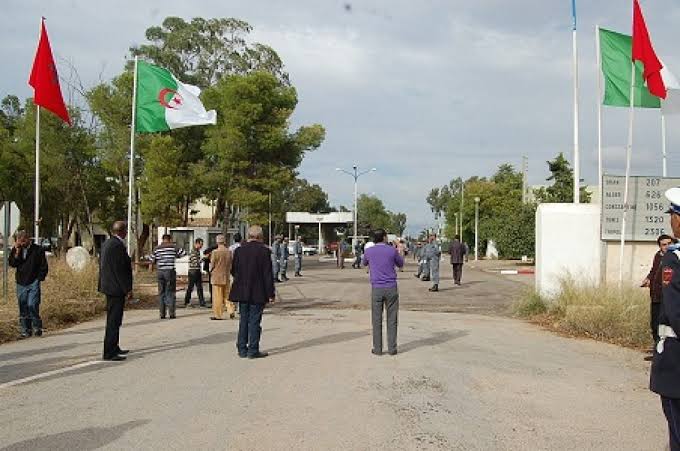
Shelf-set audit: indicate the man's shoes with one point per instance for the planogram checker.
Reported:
(25, 334)
(123, 351)
(214, 318)
(434, 288)
(243, 356)
(162, 316)
(417, 276)
(115, 358)
(393, 352)
(37, 332)
(259, 355)
(172, 317)
(426, 279)
(374, 352)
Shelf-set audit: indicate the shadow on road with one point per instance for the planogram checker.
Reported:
(85, 439)
(320, 341)
(34, 352)
(128, 325)
(434, 340)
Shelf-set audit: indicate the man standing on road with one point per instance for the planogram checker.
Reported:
(432, 255)
(115, 281)
(357, 255)
(665, 374)
(164, 257)
(284, 254)
(298, 252)
(276, 265)
(653, 282)
(382, 259)
(220, 267)
(253, 288)
(31, 270)
(195, 275)
(457, 250)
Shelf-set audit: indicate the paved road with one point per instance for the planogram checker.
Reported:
(461, 381)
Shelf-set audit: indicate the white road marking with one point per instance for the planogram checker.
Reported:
(49, 373)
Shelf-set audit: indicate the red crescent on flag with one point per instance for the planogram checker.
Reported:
(176, 99)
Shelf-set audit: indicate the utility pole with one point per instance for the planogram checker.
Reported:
(525, 175)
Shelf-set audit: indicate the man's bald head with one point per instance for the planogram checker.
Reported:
(119, 229)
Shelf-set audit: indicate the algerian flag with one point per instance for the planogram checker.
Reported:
(165, 103)
(671, 105)
(616, 53)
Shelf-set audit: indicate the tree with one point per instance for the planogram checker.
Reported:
(562, 189)
(398, 223)
(201, 52)
(372, 214)
(250, 152)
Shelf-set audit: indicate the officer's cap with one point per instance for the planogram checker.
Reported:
(673, 196)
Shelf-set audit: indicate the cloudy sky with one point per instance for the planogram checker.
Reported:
(423, 90)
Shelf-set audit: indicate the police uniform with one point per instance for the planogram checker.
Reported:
(276, 249)
(284, 253)
(665, 373)
(432, 254)
(298, 251)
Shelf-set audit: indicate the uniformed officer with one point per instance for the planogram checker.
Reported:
(297, 252)
(276, 250)
(665, 374)
(432, 255)
(423, 264)
(284, 253)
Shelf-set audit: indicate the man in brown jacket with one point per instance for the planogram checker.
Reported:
(220, 268)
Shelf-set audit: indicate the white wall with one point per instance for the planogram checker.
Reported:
(567, 243)
(637, 260)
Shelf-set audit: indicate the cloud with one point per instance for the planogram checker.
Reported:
(424, 91)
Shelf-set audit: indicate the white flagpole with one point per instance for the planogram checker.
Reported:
(577, 164)
(131, 174)
(36, 231)
(599, 111)
(629, 152)
(664, 171)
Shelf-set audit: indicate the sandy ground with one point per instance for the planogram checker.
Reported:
(461, 381)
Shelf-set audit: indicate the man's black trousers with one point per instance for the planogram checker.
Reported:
(114, 319)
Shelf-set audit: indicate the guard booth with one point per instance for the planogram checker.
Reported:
(323, 220)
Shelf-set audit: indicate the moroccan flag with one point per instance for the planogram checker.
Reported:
(615, 51)
(45, 80)
(165, 103)
(643, 51)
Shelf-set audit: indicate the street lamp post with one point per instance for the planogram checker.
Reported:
(455, 223)
(476, 228)
(355, 174)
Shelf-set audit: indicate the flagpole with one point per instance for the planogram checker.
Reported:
(598, 52)
(131, 174)
(629, 152)
(663, 144)
(577, 164)
(36, 231)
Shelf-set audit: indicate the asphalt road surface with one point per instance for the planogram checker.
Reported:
(467, 377)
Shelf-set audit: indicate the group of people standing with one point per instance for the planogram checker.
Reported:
(280, 254)
(428, 257)
(248, 264)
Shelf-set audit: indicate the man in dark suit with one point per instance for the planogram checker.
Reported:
(115, 281)
(253, 288)
(458, 250)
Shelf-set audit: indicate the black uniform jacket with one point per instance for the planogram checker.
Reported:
(33, 267)
(665, 374)
(115, 269)
(253, 275)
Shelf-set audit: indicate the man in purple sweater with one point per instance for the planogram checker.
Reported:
(381, 260)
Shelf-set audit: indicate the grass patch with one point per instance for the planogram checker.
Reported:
(67, 298)
(605, 313)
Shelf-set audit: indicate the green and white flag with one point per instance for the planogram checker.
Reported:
(616, 52)
(165, 103)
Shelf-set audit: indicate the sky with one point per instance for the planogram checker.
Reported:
(423, 91)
